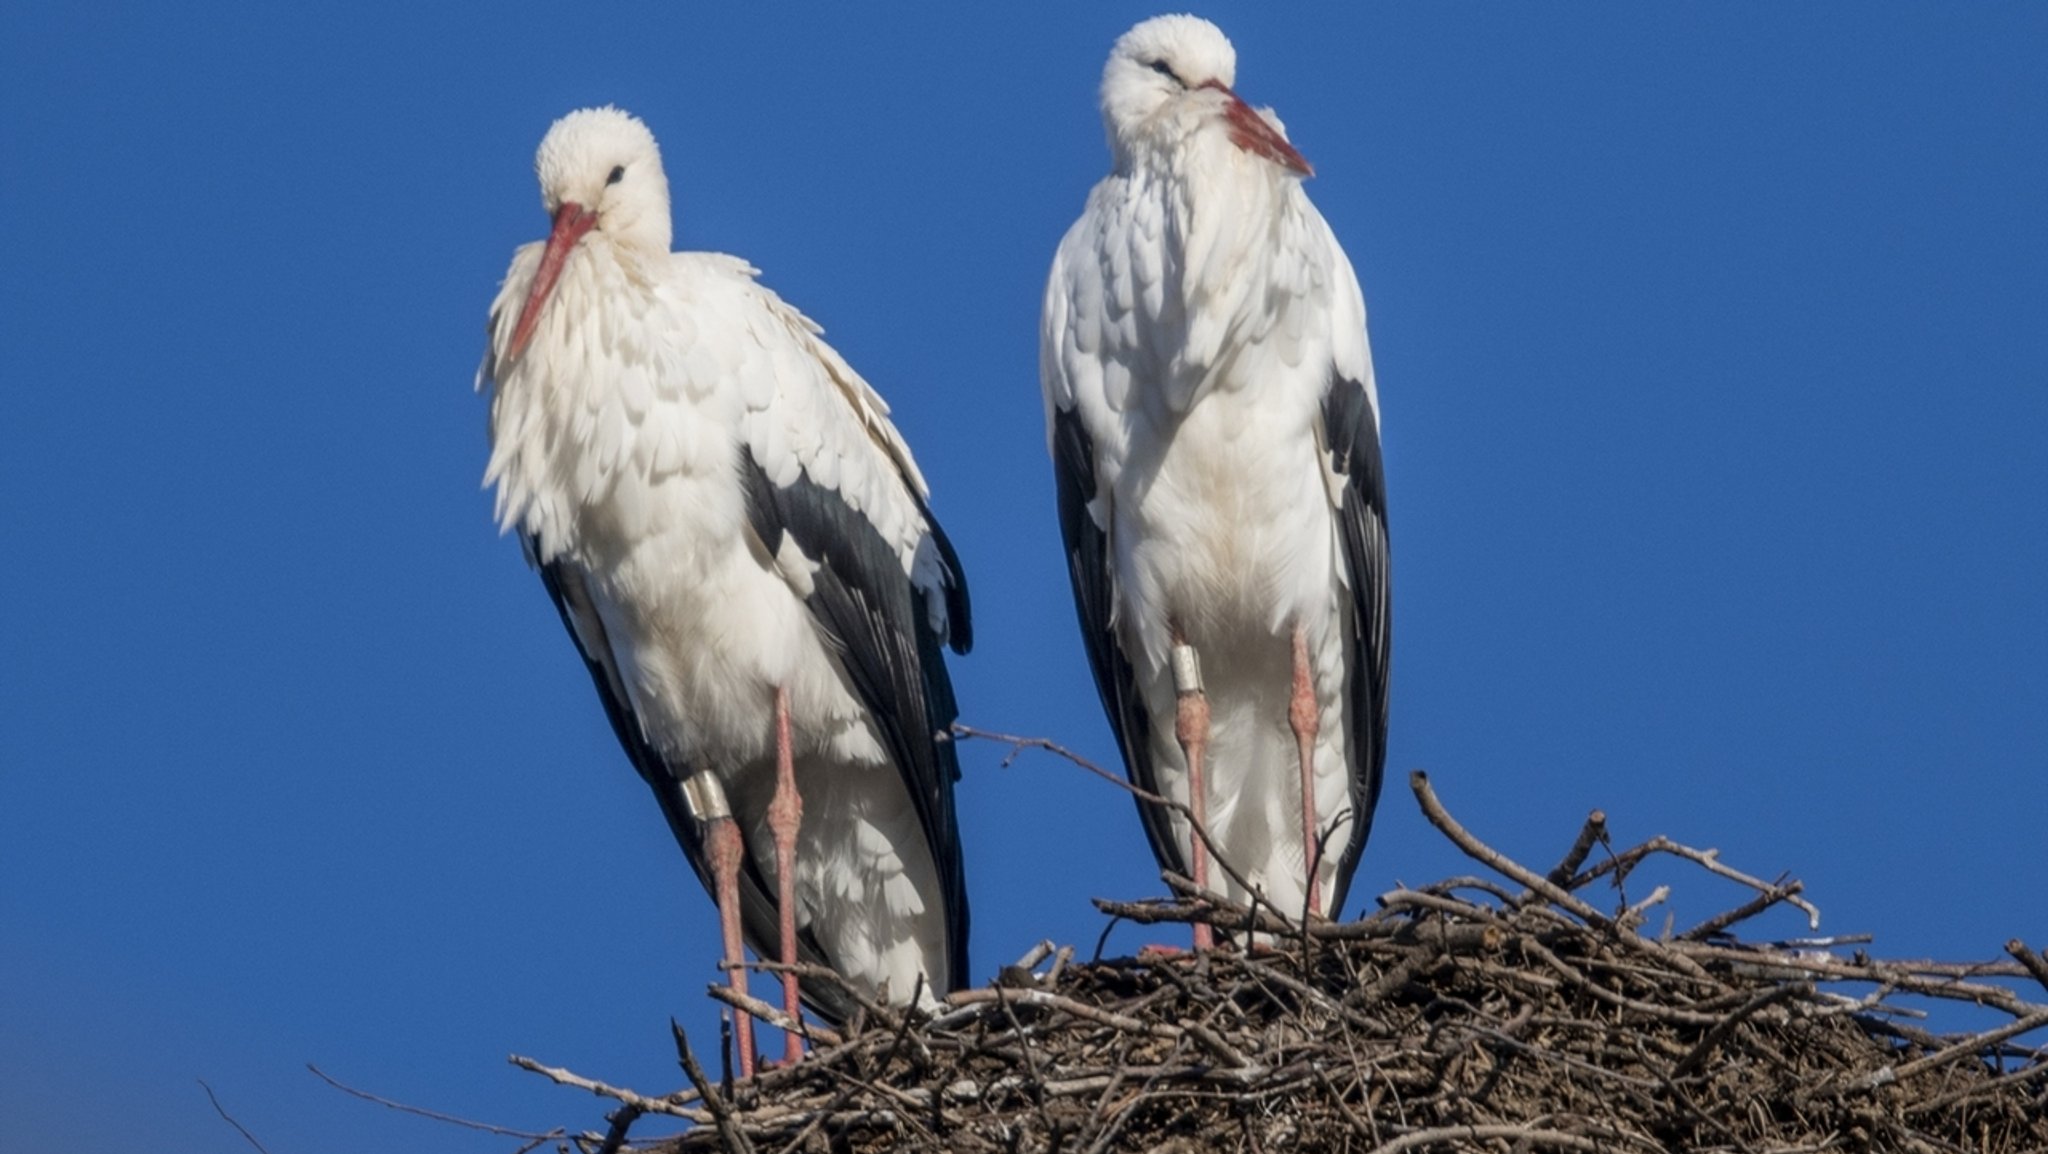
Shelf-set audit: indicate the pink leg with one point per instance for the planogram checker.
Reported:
(785, 814)
(722, 845)
(1304, 716)
(1191, 729)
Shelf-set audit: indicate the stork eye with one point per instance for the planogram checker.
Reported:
(1166, 70)
(618, 174)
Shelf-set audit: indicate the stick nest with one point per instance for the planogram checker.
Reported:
(1498, 1013)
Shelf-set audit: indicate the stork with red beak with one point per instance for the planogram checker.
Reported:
(739, 543)
(1214, 428)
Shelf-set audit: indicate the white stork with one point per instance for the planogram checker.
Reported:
(739, 543)
(1214, 429)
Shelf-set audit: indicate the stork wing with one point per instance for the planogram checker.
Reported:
(581, 616)
(823, 469)
(1352, 435)
(1081, 381)
(1073, 456)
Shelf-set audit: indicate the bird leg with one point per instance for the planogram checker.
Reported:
(1191, 729)
(722, 846)
(785, 814)
(1303, 717)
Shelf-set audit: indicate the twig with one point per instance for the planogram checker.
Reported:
(1983, 1089)
(1473, 847)
(1052, 1128)
(1351, 1118)
(877, 1011)
(1524, 1136)
(621, 1120)
(1499, 862)
(1633, 915)
(2034, 962)
(1743, 912)
(1726, 1026)
(773, 1015)
(735, 1139)
(851, 1088)
(1116, 1021)
(422, 1112)
(1767, 964)
(1019, 744)
(642, 1102)
(1969, 1047)
(1708, 859)
(1595, 830)
(229, 1118)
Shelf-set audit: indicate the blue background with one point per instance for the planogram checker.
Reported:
(1711, 345)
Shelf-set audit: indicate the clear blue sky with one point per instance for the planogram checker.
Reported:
(1711, 342)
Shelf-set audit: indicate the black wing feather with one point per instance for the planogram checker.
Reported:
(878, 621)
(758, 920)
(1073, 454)
(1351, 430)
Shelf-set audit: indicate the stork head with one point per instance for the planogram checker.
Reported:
(600, 171)
(1169, 78)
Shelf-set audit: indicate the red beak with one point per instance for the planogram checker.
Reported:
(572, 220)
(1251, 132)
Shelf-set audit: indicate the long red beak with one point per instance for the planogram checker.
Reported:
(1249, 131)
(572, 220)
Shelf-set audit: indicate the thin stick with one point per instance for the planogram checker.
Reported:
(847, 1091)
(229, 1118)
(1982, 1089)
(1743, 912)
(1499, 862)
(560, 1077)
(621, 1120)
(1595, 830)
(1524, 1136)
(1969, 1047)
(1719, 1033)
(735, 1139)
(1018, 744)
(773, 1015)
(422, 1112)
(1440, 817)
(1710, 859)
(2034, 962)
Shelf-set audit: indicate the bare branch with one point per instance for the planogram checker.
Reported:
(229, 1118)
(671, 1106)
(721, 1112)
(1499, 862)
(1592, 833)
(2036, 964)
(422, 1112)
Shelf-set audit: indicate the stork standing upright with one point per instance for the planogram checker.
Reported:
(739, 543)
(1214, 430)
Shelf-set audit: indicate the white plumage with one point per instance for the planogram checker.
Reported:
(725, 517)
(1214, 426)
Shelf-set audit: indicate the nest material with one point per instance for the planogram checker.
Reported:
(1503, 1014)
